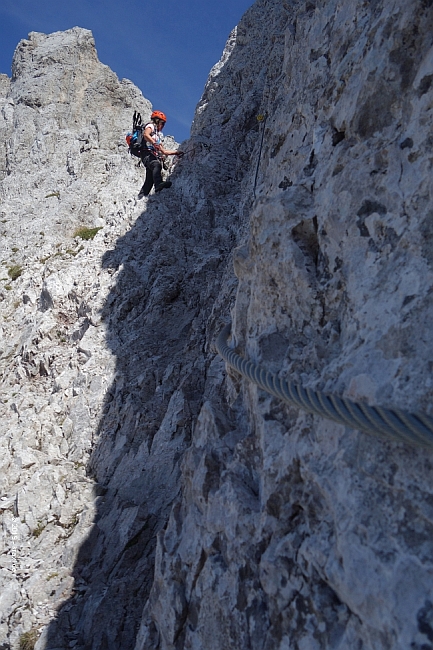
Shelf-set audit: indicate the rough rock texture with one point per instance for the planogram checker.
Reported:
(150, 498)
(292, 532)
(65, 165)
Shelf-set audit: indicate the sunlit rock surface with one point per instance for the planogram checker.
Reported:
(149, 498)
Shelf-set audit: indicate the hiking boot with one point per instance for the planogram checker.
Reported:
(162, 185)
(141, 194)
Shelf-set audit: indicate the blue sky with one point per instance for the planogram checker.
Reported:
(167, 49)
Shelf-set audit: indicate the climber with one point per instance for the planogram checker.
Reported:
(152, 153)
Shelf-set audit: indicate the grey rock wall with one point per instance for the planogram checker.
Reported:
(64, 166)
(150, 498)
(290, 531)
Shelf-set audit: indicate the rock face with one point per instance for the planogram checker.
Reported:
(65, 166)
(150, 498)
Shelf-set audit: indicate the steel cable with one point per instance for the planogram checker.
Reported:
(395, 424)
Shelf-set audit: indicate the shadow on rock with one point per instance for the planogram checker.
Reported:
(167, 273)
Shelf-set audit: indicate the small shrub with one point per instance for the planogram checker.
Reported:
(15, 249)
(28, 640)
(38, 530)
(86, 233)
(52, 575)
(15, 271)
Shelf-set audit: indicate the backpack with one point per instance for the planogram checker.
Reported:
(135, 139)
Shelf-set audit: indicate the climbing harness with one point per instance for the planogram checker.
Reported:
(153, 148)
(395, 424)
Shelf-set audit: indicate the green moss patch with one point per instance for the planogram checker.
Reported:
(86, 233)
(15, 271)
(28, 640)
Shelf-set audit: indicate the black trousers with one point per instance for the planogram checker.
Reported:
(153, 168)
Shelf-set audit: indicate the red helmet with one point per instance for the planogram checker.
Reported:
(159, 115)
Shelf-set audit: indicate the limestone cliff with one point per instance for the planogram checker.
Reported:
(150, 498)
